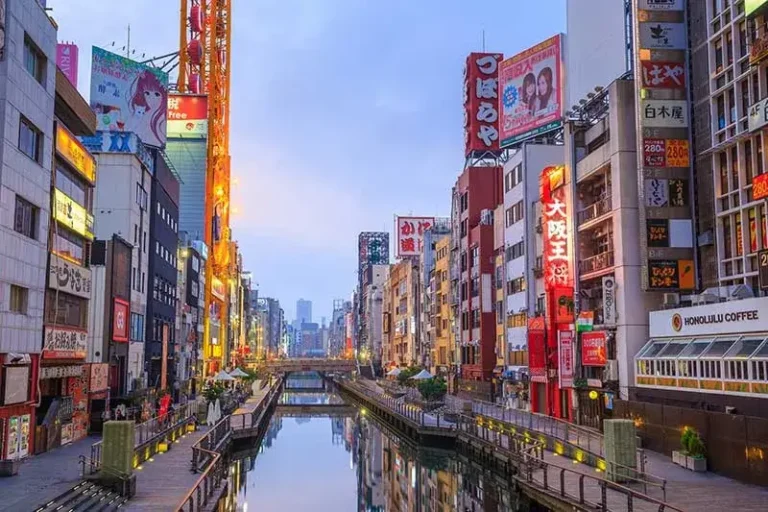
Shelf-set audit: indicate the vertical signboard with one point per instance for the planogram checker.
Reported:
(67, 55)
(129, 96)
(532, 92)
(187, 115)
(410, 234)
(663, 139)
(481, 102)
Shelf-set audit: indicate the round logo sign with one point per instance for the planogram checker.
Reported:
(677, 322)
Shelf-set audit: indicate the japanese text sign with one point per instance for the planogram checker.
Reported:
(64, 343)
(129, 96)
(120, 316)
(72, 215)
(410, 234)
(557, 266)
(565, 352)
(99, 377)
(481, 102)
(531, 92)
(68, 277)
(663, 75)
(664, 114)
(593, 349)
(187, 115)
(661, 5)
(671, 275)
(75, 153)
(663, 36)
(758, 115)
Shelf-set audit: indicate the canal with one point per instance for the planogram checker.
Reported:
(355, 463)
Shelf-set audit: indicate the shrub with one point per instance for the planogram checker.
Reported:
(405, 375)
(692, 443)
(433, 390)
(211, 393)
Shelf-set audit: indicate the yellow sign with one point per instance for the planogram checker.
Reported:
(72, 215)
(677, 153)
(75, 154)
(218, 289)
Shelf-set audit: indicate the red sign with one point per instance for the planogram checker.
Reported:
(593, 348)
(564, 306)
(760, 186)
(537, 359)
(67, 60)
(410, 234)
(120, 316)
(663, 75)
(557, 266)
(666, 153)
(481, 102)
(654, 153)
(187, 115)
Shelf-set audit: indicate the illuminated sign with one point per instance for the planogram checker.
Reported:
(64, 343)
(671, 275)
(593, 348)
(557, 271)
(481, 102)
(410, 234)
(75, 153)
(662, 75)
(751, 6)
(218, 289)
(187, 115)
(68, 277)
(760, 186)
(72, 215)
(120, 317)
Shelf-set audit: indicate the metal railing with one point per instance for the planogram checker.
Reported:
(597, 262)
(253, 418)
(594, 210)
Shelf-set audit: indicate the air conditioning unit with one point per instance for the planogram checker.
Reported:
(611, 370)
(671, 299)
(539, 227)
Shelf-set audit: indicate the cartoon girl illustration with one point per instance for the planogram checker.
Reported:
(528, 93)
(148, 103)
(544, 90)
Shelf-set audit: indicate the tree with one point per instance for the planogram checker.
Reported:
(406, 375)
(213, 392)
(433, 390)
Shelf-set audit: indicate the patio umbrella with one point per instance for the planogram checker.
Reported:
(217, 411)
(222, 375)
(211, 411)
(422, 375)
(238, 373)
(394, 372)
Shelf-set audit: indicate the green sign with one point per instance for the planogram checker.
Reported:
(751, 6)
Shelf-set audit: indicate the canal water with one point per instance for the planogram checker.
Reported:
(353, 463)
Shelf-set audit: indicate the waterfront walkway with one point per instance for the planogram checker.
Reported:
(164, 480)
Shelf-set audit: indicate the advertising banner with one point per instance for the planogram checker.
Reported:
(593, 349)
(120, 316)
(663, 36)
(481, 102)
(664, 113)
(64, 343)
(68, 277)
(73, 151)
(662, 192)
(661, 5)
(663, 75)
(99, 377)
(537, 358)
(128, 96)
(72, 215)
(187, 115)
(671, 275)
(760, 186)
(218, 289)
(410, 234)
(565, 351)
(67, 55)
(751, 6)
(532, 92)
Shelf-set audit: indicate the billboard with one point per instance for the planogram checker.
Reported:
(410, 234)
(554, 218)
(662, 74)
(64, 343)
(760, 186)
(187, 115)
(565, 354)
(67, 60)
(751, 6)
(120, 315)
(532, 92)
(68, 277)
(128, 96)
(666, 152)
(481, 102)
(593, 348)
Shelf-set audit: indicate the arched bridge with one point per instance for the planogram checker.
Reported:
(310, 365)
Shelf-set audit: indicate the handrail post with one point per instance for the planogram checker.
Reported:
(562, 482)
(581, 489)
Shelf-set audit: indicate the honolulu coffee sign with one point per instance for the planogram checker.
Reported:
(749, 315)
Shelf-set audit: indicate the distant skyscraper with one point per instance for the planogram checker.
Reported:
(303, 311)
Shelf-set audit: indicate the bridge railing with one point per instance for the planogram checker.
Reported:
(251, 419)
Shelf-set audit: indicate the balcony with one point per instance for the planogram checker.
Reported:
(594, 210)
(596, 263)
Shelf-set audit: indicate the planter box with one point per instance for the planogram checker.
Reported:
(696, 464)
(678, 458)
(9, 467)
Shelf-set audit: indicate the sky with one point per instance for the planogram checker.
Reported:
(344, 113)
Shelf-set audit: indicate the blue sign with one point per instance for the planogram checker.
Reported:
(120, 142)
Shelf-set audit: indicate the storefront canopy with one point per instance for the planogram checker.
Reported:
(742, 347)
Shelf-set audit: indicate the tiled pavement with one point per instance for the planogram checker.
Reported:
(43, 477)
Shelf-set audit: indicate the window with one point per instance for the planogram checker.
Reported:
(475, 318)
(67, 310)
(137, 327)
(19, 297)
(68, 246)
(514, 213)
(34, 60)
(516, 286)
(513, 178)
(475, 288)
(141, 196)
(499, 312)
(25, 218)
(30, 139)
(464, 201)
(72, 186)
(515, 251)
(517, 320)
(474, 256)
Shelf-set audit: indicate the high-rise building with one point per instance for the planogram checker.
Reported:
(28, 76)
(303, 311)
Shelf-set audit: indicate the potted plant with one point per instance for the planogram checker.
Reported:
(693, 453)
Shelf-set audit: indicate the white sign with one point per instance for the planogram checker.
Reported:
(63, 343)
(735, 317)
(758, 115)
(68, 277)
(663, 36)
(664, 114)
(661, 5)
(565, 371)
(609, 301)
(58, 372)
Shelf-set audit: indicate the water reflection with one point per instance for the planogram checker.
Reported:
(356, 464)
